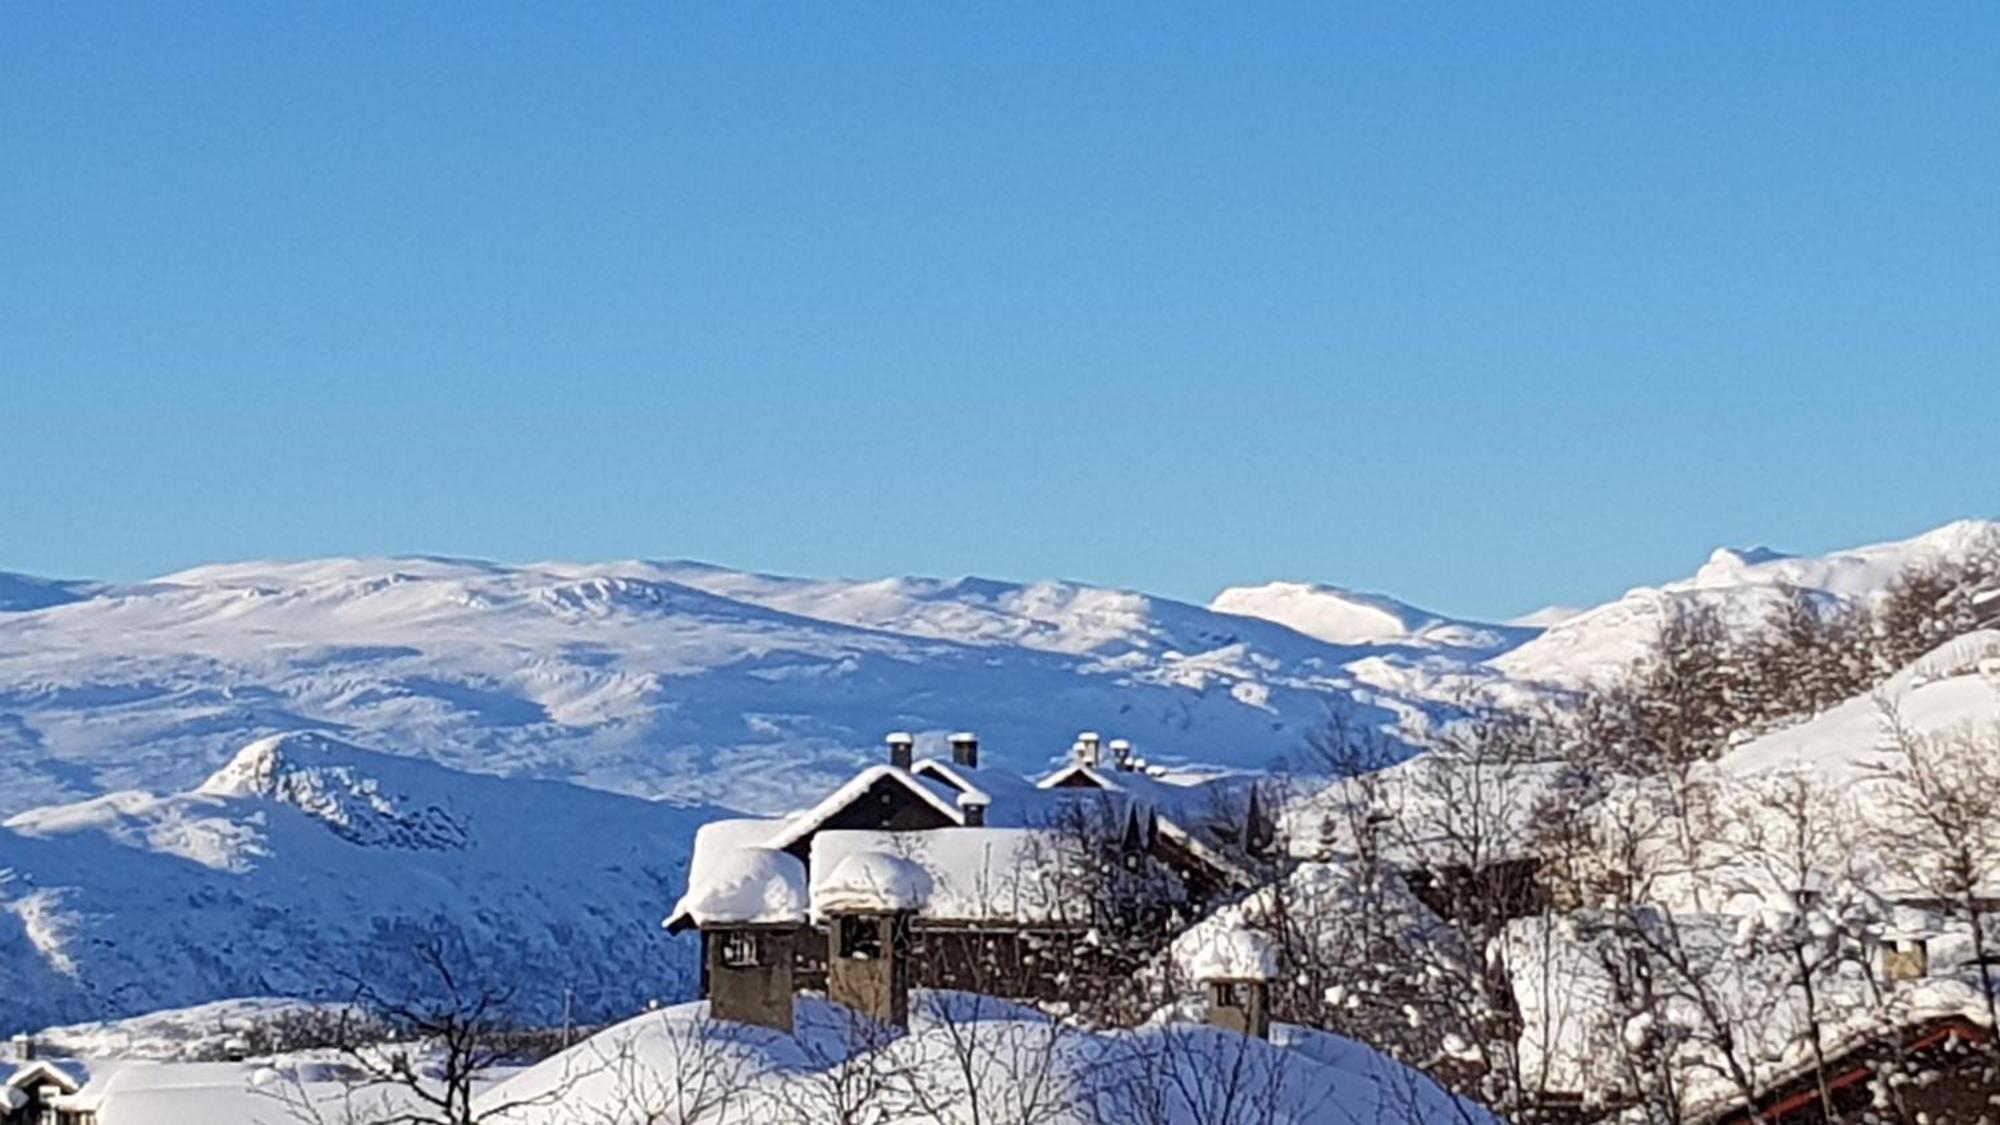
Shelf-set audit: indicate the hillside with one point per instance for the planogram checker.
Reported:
(1745, 587)
(306, 863)
(657, 679)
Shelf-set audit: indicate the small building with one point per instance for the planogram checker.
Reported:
(751, 911)
(867, 901)
(1235, 968)
(37, 1091)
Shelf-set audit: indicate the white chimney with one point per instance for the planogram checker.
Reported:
(24, 1048)
(1086, 749)
(902, 747)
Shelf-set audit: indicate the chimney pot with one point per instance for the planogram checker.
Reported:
(902, 746)
(965, 749)
(974, 811)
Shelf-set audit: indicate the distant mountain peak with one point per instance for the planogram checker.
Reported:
(1340, 616)
(342, 786)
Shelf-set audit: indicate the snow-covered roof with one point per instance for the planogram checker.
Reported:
(750, 886)
(1011, 875)
(871, 882)
(1232, 953)
(67, 1074)
(939, 797)
(1192, 803)
(1574, 1025)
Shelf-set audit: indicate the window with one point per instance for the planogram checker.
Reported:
(860, 939)
(1229, 994)
(742, 950)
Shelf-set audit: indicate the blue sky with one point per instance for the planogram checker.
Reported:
(1483, 306)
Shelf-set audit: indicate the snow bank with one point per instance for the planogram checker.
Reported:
(750, 886)
(871, 882)
(965, 1059)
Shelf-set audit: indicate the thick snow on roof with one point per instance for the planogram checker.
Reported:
(748, 886)
(1190, 802)
(975, 874)
(715, 847)
(871, 882)
(123, 1091)
(1436, 805)
(1230, 953)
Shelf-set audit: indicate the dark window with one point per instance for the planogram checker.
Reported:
(1229, 994)
(742, 950)
(860, 939)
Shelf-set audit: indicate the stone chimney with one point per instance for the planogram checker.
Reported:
(1121, 754)
(974, 808)
(24, 1048)
(902, 748)
(965, 750)
(1086, 751)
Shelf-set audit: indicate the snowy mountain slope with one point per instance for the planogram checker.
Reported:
(659, 679)
(305, 861)
(22, 592)
(1345, 617)
(1954, 688)
(1746, 586)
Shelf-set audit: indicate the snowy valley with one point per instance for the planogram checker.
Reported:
(272, 779)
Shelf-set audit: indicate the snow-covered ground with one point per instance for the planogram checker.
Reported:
(165, 846)
(305, 863)
(966, 1059)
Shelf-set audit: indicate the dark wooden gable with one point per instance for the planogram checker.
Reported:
(888, 805)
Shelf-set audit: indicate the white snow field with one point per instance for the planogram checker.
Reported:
(306, 863)
(966, 1059)
(255, 778)
(656, 679)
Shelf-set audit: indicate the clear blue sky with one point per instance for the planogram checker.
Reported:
(1484, 305)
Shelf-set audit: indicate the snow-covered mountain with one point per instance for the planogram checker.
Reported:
(304, 864)
(194, 815)
(1746, 586)
(1345, 617)
(657, 679)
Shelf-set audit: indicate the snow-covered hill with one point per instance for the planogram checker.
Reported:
(1745, 586)
(1345, 617)
(306, 863)
(193, 816)
(658, 679)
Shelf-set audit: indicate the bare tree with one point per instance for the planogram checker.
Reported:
(420, 1060)
(1941, 797)
(852, 1077)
